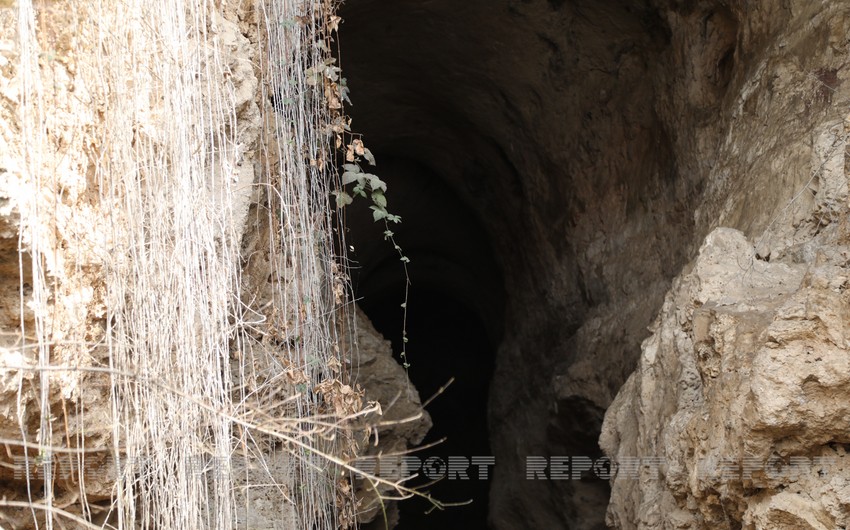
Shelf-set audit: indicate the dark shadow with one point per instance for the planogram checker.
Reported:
(447, 340)
(454, 321)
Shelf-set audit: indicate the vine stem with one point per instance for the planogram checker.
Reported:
(388, 234)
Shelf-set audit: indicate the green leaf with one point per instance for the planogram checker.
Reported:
(388, 234)
(375, 183)
(354, 168)
(405, 259)
(342, 199)
(394, 218)
(379, 199)
(367, 154)
(343, 92)
(350, 176)
(378, 213)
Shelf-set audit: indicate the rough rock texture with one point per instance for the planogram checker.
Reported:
(69, 297)
(52, 213)
(596, 145)
(56, 212)
(80, 117)
(402, 423)
(743, 390)
(746, 367)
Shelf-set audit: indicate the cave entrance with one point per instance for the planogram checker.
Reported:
(527, 146)
(454, 323)
(447, 341)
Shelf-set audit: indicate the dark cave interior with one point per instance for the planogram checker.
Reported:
(447, 341)
(453, 324)
(528, 148)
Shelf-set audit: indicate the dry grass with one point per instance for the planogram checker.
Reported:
(202, 380)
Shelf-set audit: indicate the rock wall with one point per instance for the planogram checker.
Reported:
(403, 423)
(741, 395)
(92, 169)
(741, 387)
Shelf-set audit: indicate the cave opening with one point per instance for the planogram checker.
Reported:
(448, 342)
(454, 312)
(527, 147)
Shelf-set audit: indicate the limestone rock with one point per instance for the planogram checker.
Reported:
(743, 390)
(403, 422)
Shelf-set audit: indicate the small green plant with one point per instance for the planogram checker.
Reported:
(365, 184)
(370, 186)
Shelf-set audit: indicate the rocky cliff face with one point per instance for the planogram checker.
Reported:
(741, 395)
(741, 389)
(167, 272)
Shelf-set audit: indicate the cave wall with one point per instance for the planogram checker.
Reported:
(741, 388)
(542, 117)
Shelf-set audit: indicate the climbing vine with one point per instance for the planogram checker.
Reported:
(368, 185)
(325, 78)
